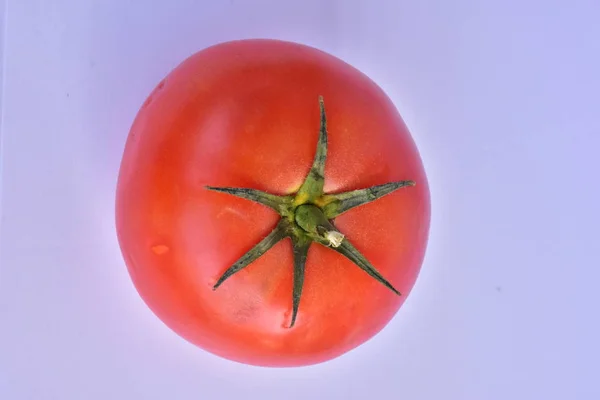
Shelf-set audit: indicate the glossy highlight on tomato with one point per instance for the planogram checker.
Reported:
(272, 207)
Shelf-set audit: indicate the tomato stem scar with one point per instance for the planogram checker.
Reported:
(306, 218)
(312, 220)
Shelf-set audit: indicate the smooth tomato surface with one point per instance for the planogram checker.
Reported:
(245, 114)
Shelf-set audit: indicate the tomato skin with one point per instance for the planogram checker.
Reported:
(245, 114)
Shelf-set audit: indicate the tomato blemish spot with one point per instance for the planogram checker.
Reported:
(158, 88)
(160, 249)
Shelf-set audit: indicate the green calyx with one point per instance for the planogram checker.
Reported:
(306, 218)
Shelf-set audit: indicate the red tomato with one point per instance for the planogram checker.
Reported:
(245, 114)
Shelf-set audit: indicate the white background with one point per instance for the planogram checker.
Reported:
(503, 101)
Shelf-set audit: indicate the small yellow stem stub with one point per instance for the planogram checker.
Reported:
(334, 238)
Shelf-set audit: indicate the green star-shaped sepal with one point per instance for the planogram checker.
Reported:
(306, 218)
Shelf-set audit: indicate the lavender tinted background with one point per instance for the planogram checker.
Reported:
(503, 101)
